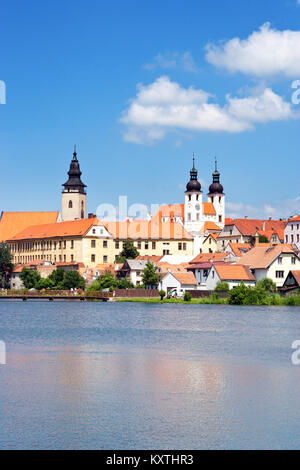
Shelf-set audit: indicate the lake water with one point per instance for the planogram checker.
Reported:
(148, 376)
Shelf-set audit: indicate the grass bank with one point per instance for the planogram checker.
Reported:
(269, 300)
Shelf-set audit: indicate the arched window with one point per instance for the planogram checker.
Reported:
(70, 204)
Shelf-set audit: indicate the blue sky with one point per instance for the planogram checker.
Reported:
(140, 87)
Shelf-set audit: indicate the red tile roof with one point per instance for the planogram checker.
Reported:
(249, 227)
(209, 257)
(261, 257)
(208, 208)
(62, 229)
(12, 223)
(211, 226)
(185, 278)
(233, 272)
(239, 249)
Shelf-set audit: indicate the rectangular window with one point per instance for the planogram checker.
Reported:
(146, 245)
(104, 243)
(293, 260)
(279, 274)
(65, 258)
(286, 239)
(65, 244)
(104, 259)
(292, 238)
(93, 243)
(184, 246)
(166, 252)
(93, 258)
(59, 258)
(117, 244)
(220, 218)
(154, 245)
(72, 257)
(298, 238)
(139, 245)
(72, 244)
(280, 260)
(179, 246)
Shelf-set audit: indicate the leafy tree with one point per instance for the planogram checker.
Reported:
(107, 281)
(162, 294)
(30, 278)
(266, 284)
(6, 264)
(223, 286)
(238, 295)
(129, 252)
(149, 275)
(263, 239)
(73, 280)
(45, 283)
(187, 296)
(124, 284)
(57, 276)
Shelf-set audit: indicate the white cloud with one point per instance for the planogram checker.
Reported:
(165, 106)
(264, 53)
(281, 209)
(173, 60)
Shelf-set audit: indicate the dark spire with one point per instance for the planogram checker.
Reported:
(216, 187)
(74, 183)
(193, 184)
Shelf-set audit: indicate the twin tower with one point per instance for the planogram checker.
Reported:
(196, 213)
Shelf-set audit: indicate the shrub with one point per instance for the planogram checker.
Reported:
(266, 284)
(187, 296)
(237, 295)
(162, 294)
(44, 284)
(223, 286)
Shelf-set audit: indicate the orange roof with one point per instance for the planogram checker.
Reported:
(233, 272)
(208, 257)
(12, 223)
(18, 268)
(261, 257)
(208, 208)
(239, 249)
(144, 229)
(152, 258)
(211, 226)
(173, 268)
(170, 210)
(62, 229)
(294, 219)
(185, 278)
(249, 227)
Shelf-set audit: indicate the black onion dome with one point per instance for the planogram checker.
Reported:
(193, 185)
(74, 182)
(216, 187)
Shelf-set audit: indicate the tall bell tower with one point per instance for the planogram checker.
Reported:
(217, 197)
(193, 212)
(74, 195)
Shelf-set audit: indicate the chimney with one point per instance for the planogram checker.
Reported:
(246, 217)
(256, 239)
(270, 218)
(91, 215)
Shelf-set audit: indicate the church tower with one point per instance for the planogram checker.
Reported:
(193, 203)
(217, 197)
(74, 195)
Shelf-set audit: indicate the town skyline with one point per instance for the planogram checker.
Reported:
(100, 95)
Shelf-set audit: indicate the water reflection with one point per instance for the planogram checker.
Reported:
(118, 376)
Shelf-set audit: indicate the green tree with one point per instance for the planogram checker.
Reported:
(162, 294)
(73, 280)
(45, 283)
(267, 284)
(223, 286)
(30, 278)
(238, 295)
(57, 276)
(263, 239)
(129, 252)
(149, 275)
(187, 296)
(6, 264)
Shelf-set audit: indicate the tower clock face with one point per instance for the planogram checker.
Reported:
(197, 207)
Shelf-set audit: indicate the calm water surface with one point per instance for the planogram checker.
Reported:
(142, 376)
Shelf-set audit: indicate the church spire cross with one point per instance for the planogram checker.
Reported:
(75, 153)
